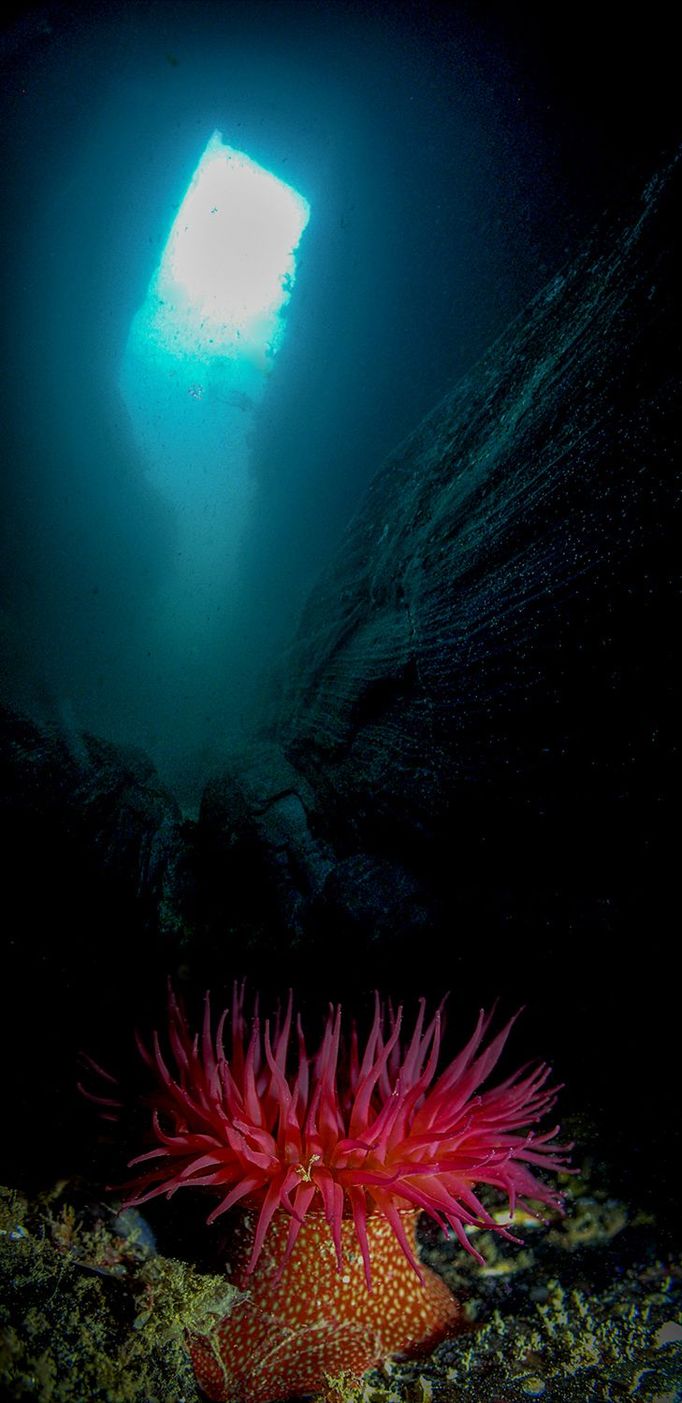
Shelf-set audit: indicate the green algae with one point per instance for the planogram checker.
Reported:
(89, 1311)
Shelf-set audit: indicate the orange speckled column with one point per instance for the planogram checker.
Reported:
(314, 1321)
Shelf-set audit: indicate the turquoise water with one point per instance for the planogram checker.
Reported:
(161, 538)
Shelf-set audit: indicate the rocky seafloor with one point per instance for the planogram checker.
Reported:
(587, 1308)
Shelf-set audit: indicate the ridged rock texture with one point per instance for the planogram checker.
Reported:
(481, 686)
(462, 627)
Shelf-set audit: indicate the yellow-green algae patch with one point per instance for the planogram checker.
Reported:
(571, 1350)
(88, 1311)
(586, 1311)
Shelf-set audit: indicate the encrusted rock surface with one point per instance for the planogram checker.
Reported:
(89, 1310)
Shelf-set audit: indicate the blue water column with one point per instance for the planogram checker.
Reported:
(194, 372)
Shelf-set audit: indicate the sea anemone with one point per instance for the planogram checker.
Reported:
(332, 1157)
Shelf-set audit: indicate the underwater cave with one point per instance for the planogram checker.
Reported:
(340, 553)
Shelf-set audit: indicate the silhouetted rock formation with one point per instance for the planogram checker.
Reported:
(101, 803)
(257, 845)
(94, 858)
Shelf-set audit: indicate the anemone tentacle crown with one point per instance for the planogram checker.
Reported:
(331, 1158)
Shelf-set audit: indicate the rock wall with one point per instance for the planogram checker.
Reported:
(482, 698)
(480, 687)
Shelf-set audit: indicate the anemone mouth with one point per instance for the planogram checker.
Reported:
(349, 1131)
